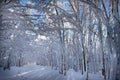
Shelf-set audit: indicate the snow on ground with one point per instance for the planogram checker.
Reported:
(72, 75)
(95, 76)
(30, 72)
(35, 72)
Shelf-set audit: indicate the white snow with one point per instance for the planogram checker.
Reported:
(72, 75)
(11, 10)
(29, 32)
(5, 57)
(16, 26)
(42, 37)
(35, 72)
(30, 72)
(97, 76)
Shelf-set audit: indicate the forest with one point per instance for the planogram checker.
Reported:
(65, 35)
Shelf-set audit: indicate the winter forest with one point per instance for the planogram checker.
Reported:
(59, 39)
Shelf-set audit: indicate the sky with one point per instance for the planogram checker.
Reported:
(23, 2)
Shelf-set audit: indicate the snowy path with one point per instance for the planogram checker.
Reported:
(34, 72)
(31, 73)
(42, 75)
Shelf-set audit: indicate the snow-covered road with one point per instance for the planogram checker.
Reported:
(35, 72)
(30, 73)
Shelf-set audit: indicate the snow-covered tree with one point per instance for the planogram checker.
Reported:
(65, 34)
